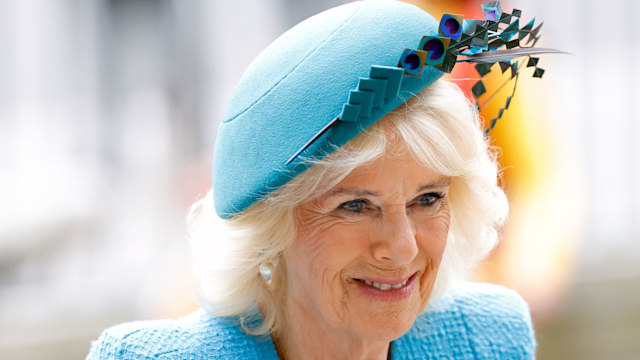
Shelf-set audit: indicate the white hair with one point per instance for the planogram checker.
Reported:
(441, 130)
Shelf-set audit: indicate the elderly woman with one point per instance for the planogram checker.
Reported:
(353, 190)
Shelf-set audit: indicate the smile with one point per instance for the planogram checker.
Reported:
(383, 286)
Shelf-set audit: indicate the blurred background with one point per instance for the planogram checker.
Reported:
(108, 111)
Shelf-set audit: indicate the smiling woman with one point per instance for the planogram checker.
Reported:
(355, 246)
(366, 254)
(388, 201)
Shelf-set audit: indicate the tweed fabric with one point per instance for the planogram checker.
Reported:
(471, 321)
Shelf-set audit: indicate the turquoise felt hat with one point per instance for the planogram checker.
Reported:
(330, 77)
(339, 64)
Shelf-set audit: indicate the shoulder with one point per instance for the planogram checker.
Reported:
(474, 321)
(196, 336)
(482, 300)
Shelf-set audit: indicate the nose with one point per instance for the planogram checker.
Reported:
(395, 243)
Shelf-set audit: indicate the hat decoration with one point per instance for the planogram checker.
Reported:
(497, 39)
(330, 77)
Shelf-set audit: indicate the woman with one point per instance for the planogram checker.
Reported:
(355, 190)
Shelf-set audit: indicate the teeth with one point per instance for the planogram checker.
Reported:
(383, 286)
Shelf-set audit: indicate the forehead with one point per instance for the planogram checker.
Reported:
(391, 173)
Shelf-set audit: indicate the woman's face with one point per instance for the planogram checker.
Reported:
(367, 252)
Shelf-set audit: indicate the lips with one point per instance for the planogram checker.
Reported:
(385, 285)
(386, 290)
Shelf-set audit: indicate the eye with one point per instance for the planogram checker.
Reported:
(354, 205)
(430, 199)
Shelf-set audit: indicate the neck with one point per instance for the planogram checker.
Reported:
(306, 337)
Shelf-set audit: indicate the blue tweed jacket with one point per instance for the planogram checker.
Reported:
(472, 321)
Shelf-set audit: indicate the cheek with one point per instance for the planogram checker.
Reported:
(432, 236)
(432, 240)
(322, 251)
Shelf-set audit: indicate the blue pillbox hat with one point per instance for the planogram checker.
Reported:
(340, 64)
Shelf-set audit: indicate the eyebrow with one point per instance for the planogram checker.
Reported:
(365, 192)
(351, 191)
(436, 184)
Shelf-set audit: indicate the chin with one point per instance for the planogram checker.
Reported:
(388, 315)
(390, 326)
